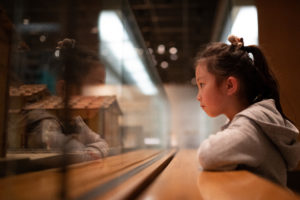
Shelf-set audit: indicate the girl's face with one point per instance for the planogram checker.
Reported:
(212, 97)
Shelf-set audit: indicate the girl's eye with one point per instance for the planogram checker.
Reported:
(201, 85)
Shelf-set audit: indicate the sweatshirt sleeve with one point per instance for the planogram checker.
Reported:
(94, 144)
(240, 143)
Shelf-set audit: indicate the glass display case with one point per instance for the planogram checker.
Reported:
(78, 85)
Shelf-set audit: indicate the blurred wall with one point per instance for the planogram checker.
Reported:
(279, 37)
(189, 123)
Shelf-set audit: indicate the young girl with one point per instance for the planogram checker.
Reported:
(236, 81)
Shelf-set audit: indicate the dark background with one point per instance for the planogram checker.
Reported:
(185, 24)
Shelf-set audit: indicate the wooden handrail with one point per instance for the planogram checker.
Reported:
(183, 179)
(81, 178)
(143, 174)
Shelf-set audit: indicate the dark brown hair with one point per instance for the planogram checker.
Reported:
(248, 65)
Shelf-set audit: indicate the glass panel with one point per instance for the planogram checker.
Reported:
(82, 84)
(242, 22)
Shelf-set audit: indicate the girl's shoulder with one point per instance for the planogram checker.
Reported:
(260, 111)
(281, 132)
(263, 116)
(263, 111)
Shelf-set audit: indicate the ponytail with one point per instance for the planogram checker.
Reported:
(268, 87)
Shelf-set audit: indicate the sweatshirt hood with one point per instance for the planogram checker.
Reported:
(281, 132)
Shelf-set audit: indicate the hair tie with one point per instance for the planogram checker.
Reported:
(236, 41)
(249, 52)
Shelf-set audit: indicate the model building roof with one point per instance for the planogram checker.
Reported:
(76, 102)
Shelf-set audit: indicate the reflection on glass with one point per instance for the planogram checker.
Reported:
(43, 121)
(82, 87)
(116, 43)
(94, 94)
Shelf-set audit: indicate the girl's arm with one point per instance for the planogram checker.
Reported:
(93, 142)
(240, 143)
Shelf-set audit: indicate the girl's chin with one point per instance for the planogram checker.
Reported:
(211, 114)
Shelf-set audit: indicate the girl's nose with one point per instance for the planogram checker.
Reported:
(199, 96)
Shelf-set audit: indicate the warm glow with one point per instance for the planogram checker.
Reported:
(242, 22)
(246, 25)
(115, 40)
(172, 50)
(161, 49)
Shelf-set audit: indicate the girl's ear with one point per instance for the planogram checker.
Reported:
(232, 85)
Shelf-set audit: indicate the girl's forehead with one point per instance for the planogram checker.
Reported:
(202, 73)
(201, 68)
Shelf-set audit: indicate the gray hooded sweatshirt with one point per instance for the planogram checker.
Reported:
(257, 139)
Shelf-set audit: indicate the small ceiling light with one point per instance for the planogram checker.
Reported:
(173, 57)
(56, 53)
(43, 38)
(172, 50)
(164, 64)
(161, 49)
(25, 21)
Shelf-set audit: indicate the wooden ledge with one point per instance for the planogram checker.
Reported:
(143, 174)
(183, 179)
(240, 185)
(82, 180)
(133, 187)
(178, 180)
